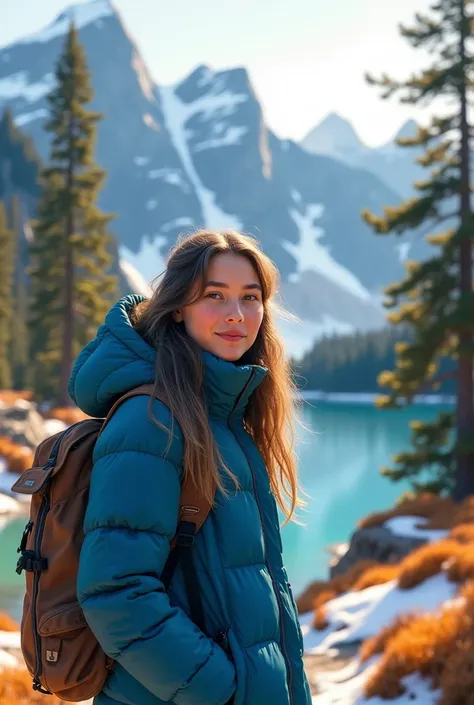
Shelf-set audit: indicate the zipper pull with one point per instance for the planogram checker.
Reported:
(24, 538)
(223, 640)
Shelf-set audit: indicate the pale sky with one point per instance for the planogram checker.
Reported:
(306, 58)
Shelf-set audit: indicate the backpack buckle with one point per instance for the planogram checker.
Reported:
(185, 533)
(31, 563)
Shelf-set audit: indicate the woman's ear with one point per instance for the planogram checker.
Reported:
(178, 316)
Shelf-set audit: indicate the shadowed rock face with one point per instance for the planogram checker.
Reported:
(377, 543)
(200, 154)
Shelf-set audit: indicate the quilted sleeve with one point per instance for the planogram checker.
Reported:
(130, 520)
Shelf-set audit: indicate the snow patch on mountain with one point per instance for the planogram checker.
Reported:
(177, 223)
(177, 113)
(230, 137)
(141, 161)
(17, 86)
(171, 176)
(309, 254)
(81, 14)
(299, 336)
(137, 283)
(149, 262)
(25, 118)
(334, 135)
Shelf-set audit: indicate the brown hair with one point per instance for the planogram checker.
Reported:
(270, 414)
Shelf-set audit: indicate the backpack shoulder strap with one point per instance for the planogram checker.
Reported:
(142, 390)
(193, 507)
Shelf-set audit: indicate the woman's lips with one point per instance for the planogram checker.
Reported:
(231, 338)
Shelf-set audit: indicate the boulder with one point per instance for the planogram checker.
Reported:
(376, 543)
(22, 423)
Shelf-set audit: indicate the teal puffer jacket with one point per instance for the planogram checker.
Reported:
(161, 656)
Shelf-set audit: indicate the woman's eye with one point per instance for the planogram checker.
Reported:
(251, 297)
(213, 295)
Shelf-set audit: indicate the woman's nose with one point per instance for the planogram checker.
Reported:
(234, 312)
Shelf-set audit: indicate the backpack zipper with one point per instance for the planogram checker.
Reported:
(274, 584)
(44, 509)
(40, 522)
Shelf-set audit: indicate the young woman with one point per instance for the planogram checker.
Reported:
(207, 340)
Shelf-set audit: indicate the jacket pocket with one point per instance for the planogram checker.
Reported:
(296, 615)
(228, 642)
(74, 665)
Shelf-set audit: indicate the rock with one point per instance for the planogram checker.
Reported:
(22, 423)
(374, 543)
(318, 665)
(9, 505)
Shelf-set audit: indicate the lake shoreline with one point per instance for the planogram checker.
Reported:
(371, 397)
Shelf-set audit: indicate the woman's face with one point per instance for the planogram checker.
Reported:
(226, 318)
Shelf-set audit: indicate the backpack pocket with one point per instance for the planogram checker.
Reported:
(73, 663)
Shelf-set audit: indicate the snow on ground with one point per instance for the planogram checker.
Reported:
(53, 426)
(350, 692)
(412, 526)
(355, 616)
(8, 505)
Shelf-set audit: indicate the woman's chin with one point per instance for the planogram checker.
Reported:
(229, 353)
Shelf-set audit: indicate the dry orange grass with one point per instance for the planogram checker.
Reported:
(67, 415)
(426, 562)
(15, 688)
(310, 598)
(440, 647)
(422, 646)
(426, 506)
(10, 396)
(378, 575)
(17, 458)
(464, 533)
(437, 512)
(320, 619)
(460, 567)
(376, 644)
(7, 624)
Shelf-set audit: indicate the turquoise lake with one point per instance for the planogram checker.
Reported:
(339, 462)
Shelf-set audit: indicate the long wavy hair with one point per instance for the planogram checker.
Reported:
(270, 414)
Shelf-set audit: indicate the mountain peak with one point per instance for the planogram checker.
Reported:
(81, 14)
(206, 81)
(333, 135)
(408, 129)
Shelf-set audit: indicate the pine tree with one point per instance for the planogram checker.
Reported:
(19, 347)
(7, 258)
(435, 298)
(70, 288)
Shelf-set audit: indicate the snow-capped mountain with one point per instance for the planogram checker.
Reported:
(200, 154)
(334, 136)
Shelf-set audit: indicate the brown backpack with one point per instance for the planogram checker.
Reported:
(61, 652)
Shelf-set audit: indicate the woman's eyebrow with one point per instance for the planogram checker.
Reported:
(223, 285)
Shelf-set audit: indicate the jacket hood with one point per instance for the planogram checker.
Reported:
(118, 359)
